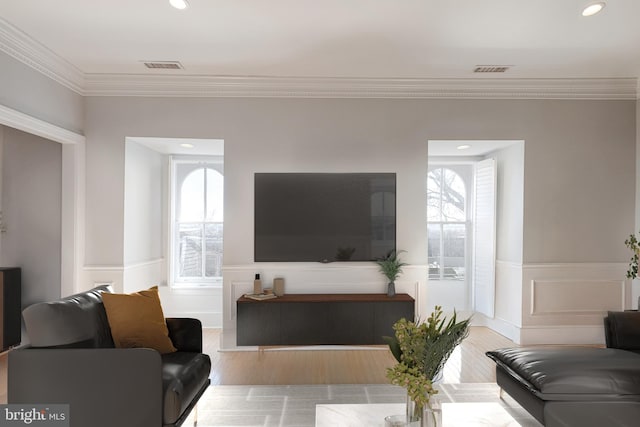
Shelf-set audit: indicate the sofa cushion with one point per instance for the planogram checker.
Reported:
(137, 321)
(571, 373)
(584, 414)
(184, 375)
(75, 321)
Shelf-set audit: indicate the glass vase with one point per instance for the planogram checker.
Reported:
(428, 416)
(432, 415)
(415, 413)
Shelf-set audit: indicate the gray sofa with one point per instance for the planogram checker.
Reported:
(578, 386)
(71, 359)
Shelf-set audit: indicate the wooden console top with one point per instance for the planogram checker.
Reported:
(330, 298)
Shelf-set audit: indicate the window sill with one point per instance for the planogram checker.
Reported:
(191, 286)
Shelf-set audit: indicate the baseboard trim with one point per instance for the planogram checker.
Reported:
(501, 326)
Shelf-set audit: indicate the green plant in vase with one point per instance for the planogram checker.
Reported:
(421, 350)
(391, 266)
(633, 244)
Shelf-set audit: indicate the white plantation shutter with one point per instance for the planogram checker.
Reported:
(484, 238)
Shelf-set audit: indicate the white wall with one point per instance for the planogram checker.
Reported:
(564, 190)
(577, 151)
(509, 241)
(31, 206)
(145, 199)
(577, 179)
(34, 103)
(580, 170)
(145, 196)
(510, 202)
(26, 90)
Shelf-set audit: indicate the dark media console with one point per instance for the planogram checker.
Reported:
(321, 319)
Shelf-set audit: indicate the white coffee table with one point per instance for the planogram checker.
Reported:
(453, 414)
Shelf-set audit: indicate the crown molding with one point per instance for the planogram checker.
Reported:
(315, 87)
(25, 49)
(22, 47)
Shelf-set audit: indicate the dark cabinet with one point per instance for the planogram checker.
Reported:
(329, 319)
(10, 307)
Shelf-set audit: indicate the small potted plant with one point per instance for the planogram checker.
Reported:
(391, 266)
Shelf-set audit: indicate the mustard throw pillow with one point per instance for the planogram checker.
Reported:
(136, 320)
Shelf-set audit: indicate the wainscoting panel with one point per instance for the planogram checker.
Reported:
(568, 297)
(92, 276)
(565, 303)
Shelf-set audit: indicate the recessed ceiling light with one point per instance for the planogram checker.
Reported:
(186, 145)
(463, 147)
(179, 4)
(593, 8)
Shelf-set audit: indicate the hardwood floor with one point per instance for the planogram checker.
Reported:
(293, 366)
(288, 365)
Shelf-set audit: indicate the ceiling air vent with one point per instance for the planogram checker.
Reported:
(491, 68)
(163, 65)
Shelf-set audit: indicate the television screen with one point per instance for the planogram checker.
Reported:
(324, 217)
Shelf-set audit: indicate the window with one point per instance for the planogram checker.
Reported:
(446, 224)
(197, 221)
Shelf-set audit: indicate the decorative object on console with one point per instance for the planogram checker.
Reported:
(391, 267)
(421, 350)
(278, 286)
(260, 297)
(257, 285)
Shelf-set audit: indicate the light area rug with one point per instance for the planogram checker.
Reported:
(295, 405)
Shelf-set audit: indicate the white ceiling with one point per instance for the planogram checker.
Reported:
(449, 148)
(337, 38)
(182, 146)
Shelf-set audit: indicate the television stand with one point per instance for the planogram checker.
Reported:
(321, 319)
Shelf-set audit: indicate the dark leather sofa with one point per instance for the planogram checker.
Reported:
(578, 386)
(71, 360)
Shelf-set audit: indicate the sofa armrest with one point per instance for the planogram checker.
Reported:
(104, 387)
(185, 333)
(622, 330)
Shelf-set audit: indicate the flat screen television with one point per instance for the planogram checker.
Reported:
(324, 217)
